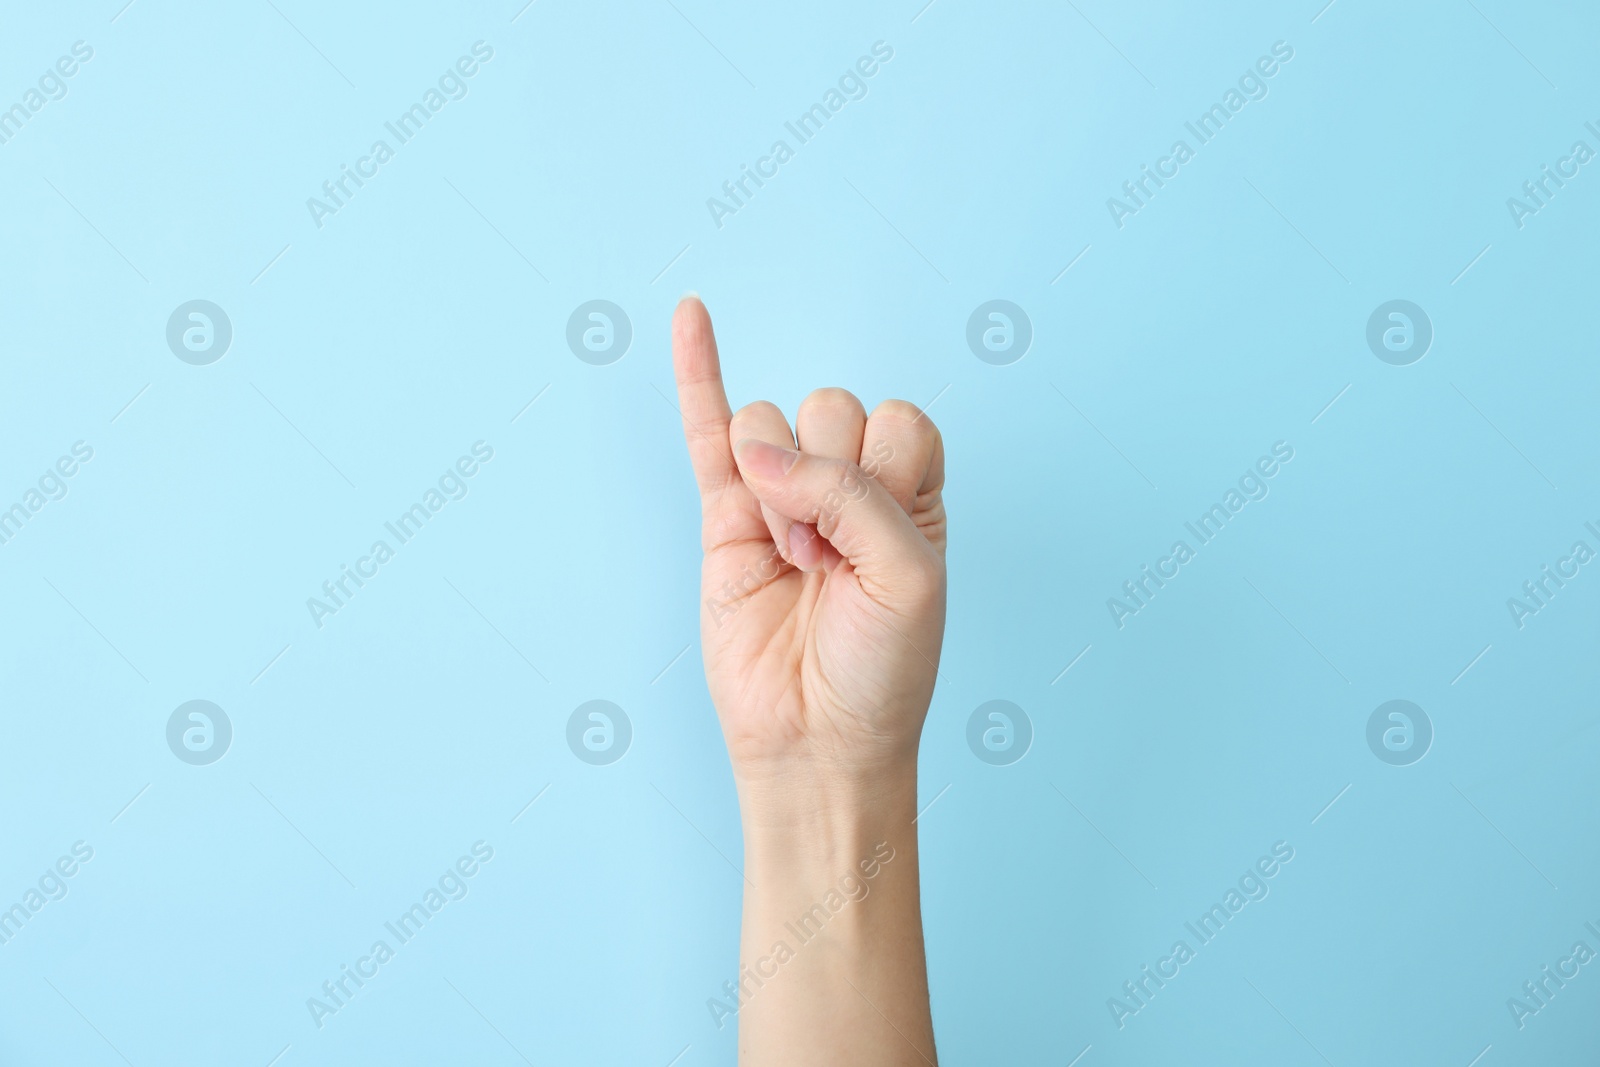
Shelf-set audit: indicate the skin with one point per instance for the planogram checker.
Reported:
(822, 616)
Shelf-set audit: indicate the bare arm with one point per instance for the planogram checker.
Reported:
(822, 615)
(831, 948)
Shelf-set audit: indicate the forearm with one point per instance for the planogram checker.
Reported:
(832, 968)
(821, 670)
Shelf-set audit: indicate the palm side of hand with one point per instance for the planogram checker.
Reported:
(823, 585)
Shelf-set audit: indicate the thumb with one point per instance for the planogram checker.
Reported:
(850, 509)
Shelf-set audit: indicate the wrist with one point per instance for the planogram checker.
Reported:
(831, 943)
(808, 816)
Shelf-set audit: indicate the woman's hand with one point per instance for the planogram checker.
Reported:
(821, 618)
(823, 586)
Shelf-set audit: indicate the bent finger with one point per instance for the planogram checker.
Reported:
(762, 421)
(855, 514)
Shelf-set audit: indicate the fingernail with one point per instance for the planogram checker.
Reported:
(762, 459)
(805, 546)
(687, 293)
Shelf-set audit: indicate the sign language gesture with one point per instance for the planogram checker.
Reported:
(822, 613)
(823, 585)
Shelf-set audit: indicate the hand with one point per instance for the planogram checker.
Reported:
(822, 613)
(823, 587)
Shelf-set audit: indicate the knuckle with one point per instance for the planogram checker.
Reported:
(905, 422)
(900, 411)
(832, 400)
(756, 410)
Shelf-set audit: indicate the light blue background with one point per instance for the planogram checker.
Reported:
(371, 353)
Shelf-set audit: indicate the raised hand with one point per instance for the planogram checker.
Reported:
(823, 585)
(822, 614)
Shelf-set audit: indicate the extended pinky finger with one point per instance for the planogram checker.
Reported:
(701, 399)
